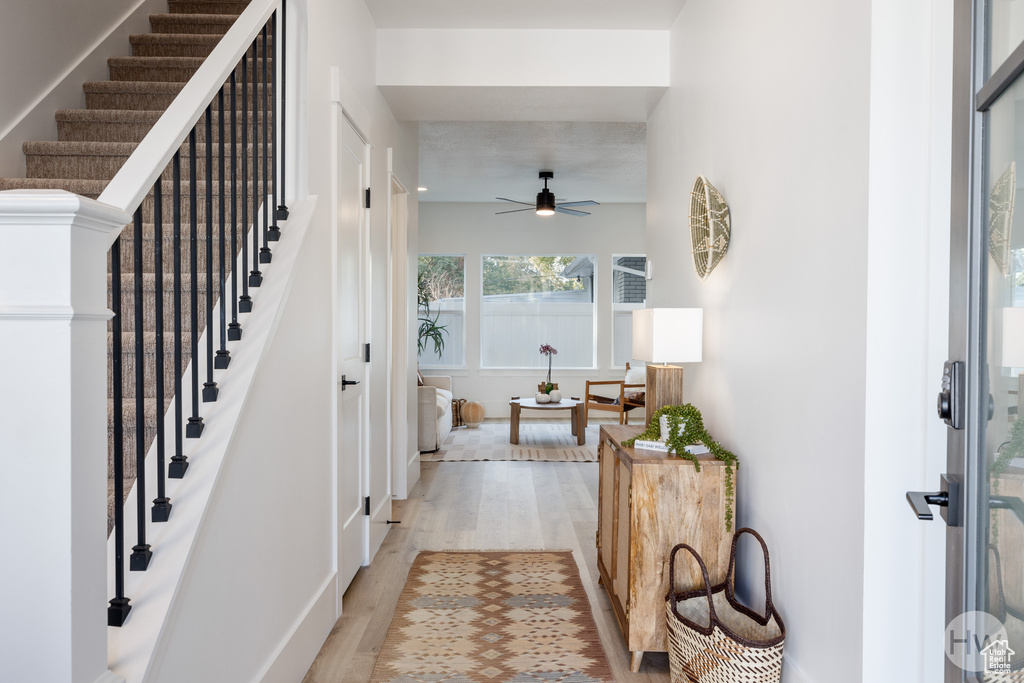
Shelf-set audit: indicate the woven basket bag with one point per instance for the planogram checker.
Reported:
(712, 638)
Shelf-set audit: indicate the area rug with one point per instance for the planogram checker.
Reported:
(493, 617)
(539, 441)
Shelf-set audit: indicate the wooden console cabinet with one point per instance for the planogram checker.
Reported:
(649, 502)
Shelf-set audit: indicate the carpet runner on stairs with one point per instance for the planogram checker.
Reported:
(93, 143)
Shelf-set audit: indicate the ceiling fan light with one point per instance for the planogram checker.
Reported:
(545, 203)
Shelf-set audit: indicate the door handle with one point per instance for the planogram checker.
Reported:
(1012, 503)
(347, 382)
(947, 498)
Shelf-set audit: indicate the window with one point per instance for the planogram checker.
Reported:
(533, 300)
(441, 298)
(629, 290)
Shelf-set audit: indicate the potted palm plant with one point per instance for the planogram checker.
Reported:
(429, 333)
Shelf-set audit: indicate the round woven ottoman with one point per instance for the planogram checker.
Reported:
(473, 414)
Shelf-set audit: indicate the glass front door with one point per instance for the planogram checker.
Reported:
(985, 551)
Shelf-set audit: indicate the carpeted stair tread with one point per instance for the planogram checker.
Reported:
(127, 125)
(173, 44)
(180, 44)
(133, 95)
(143, 95)
(149, 363)
(217, 24)
(235, 7)
(102, 160)
(160, 69)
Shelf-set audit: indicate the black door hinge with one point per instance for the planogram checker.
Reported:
(366, 352)
(367, 198)
(366, 506)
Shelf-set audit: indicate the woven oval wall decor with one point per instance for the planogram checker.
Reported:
(709, 227)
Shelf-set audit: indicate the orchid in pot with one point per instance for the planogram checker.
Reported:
(549, 351)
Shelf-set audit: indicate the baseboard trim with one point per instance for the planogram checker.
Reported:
(109, 676)
(305, 638)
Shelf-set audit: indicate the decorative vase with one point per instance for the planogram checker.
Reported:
(555, 396)
(473, 414)
(541, 397)
(547, 387)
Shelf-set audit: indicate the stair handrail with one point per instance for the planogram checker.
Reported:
(140, 171)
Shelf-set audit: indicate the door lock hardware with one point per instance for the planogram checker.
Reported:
(951, 397)
(347, 382)
(948, 499)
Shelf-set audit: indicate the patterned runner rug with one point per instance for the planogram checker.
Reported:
(538, 441)
(493, 617)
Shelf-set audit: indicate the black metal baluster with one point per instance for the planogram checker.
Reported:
(234, 329)
(245, 301)
(209, 387)
(141, 553)
(119, 608)
(255, 276)
(282, 208)
(179, 461)
(265, 255)
(161, 504)
(195, 423)
(274, 234)
(223, 358)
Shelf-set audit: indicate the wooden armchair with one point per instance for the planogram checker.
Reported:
(629, 396)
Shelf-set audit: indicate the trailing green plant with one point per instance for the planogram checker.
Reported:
(429, 331)
(685, 428)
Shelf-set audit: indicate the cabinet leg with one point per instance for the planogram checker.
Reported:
(634, 663)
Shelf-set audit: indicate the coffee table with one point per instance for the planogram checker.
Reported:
(573, 405)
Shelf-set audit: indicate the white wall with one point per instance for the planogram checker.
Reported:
(53, 47)
(473, 229)
(770, 102)
(907, 332)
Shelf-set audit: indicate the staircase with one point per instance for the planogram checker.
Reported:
(92, 145)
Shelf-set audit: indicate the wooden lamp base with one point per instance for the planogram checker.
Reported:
(664, 388)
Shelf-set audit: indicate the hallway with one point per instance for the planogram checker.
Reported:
(477, 505)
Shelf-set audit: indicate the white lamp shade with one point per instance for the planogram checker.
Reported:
(668, 335)
(1013, 338)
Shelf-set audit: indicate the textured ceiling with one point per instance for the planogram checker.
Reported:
(526, 14)
(476, 161)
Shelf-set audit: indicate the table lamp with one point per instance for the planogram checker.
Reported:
(663, 335)
(1013, 348)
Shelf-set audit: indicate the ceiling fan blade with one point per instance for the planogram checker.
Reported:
(498, 213)
(586, 202)
(571, 212)
(516, 201)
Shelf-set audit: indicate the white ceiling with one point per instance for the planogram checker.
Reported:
(477, 161)
(526, 14)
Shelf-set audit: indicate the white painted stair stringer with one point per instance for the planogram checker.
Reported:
(135, 647)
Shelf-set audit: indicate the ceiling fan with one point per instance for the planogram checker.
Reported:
(546, 205)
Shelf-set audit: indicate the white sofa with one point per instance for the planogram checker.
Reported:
(434, 413)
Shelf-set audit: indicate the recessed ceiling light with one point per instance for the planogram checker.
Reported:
(421, 189)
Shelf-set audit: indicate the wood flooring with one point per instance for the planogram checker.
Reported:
(482, 506)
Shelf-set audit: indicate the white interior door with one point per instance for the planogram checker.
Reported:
(350, 336)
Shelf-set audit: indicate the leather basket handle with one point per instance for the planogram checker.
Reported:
(730, 576)
(704, 573)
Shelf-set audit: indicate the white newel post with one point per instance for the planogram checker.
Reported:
(53, 435)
